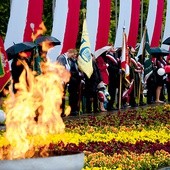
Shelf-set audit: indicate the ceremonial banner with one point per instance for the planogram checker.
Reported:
(4, 67)
(25, 18)
(153, 23)
(144, 57)
(148, 69)
(145, 47)
(166, 29)
(65, 26)
(85, 57)
(129, 17)
(125, 59)
(98, 22)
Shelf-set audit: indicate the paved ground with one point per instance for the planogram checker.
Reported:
(2, 127)
(166, 168)
(109, 112)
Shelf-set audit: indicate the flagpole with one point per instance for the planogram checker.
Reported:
(120, 83)
(120, 90)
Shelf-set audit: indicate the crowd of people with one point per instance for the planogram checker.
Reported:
(107, 89)
(101, 92)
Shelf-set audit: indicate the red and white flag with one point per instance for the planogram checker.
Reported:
(167, 25)
(129, 16)
(98, 22)
(5, 74)
(125, 59)
(153, 23)
(25, 18)
(65, 26)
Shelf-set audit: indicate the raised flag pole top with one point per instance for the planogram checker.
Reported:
(124, 26)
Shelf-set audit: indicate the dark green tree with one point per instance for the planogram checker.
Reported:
(4, 16)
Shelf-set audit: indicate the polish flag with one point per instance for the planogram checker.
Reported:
(25, 18)
(154, 23)
(167, 26)
(128, 18)
(5, 74)
(125, 59)
(98, 22)
(65, 26)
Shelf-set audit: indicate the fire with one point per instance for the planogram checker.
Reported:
(34, 109)
(42, 29)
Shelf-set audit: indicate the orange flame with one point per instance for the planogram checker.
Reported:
(35, 110)
(42, 29)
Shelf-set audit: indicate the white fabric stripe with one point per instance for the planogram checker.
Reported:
(124, 21)
(92, 16)
(150, 22)
(17, 22)
(167, 25)
(59, 27)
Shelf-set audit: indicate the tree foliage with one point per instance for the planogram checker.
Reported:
(4, 16)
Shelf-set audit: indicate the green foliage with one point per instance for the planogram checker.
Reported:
(47, 15)
(4, 16)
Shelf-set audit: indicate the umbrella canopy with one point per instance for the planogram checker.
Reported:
(157, 51)
(51, 39)
(19, 47)
(102, 50)
(166, 41)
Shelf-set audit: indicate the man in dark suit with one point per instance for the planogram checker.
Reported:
(69, 60)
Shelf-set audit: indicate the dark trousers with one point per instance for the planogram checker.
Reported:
(168, 90)
(91, 103)
(112, 91)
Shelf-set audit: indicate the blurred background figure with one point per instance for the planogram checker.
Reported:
(160, 81)
(168, 79)
(113, 61)
(19, 64)
(102, 65)
(74, 87)
(90, 90)
(69, 61)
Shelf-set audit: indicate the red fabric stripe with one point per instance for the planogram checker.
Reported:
(158, 24)
(72, 25)
(4, 79)
(103, 24)
(34, 15)
(134, 23)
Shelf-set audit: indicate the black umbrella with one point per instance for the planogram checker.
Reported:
(157, 51)
(19, 47)
(166, 41)
(51, 39)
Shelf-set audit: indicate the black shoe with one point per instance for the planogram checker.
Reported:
(125, 106)
(151, 102)
(111, 108)
(134, 105)
(74, 113)
(96, 111)
(142, 104)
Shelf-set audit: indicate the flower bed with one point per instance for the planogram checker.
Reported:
(123, 140)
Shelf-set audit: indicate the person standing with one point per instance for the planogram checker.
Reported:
(135, 69)
(113, 62)
(69, 61)
(102, 65)
(168, 79)
(160, 63)
(90, 90)
(74, 87)
(20, 64)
